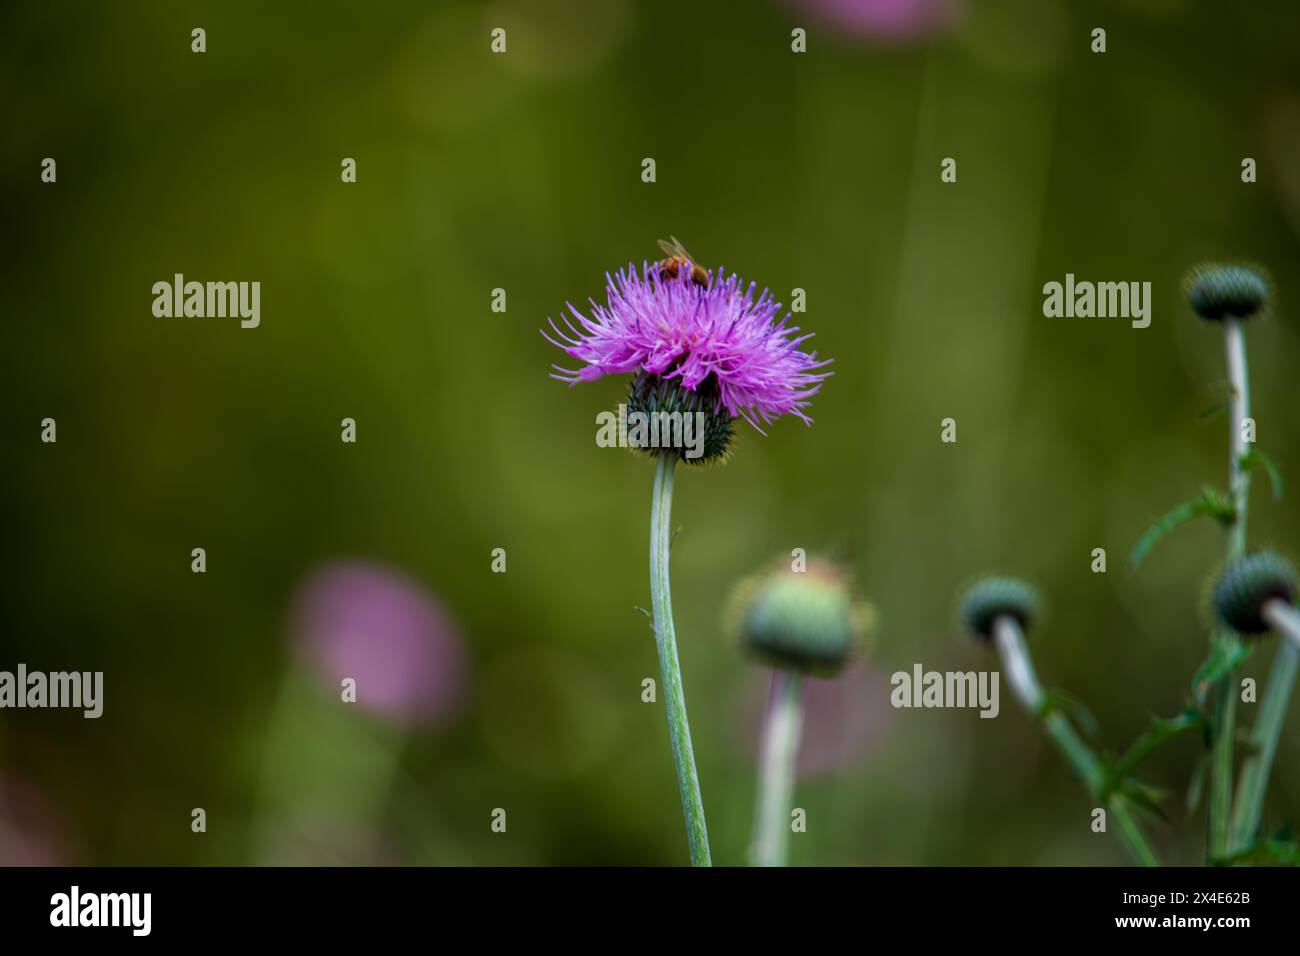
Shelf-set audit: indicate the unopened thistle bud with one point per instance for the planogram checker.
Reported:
(1248, 586)
(1216, 291)
(806, 621)
(991, 598)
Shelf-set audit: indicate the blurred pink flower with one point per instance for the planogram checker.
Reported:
(29, 834)
(888, 20)
(844, 719)
(376, 625)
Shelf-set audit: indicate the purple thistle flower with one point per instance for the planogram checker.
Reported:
(717, 340)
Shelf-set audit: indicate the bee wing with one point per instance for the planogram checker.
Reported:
(676, 248)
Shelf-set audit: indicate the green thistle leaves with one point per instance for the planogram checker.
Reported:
(1227, 653)
(1144, 796)
(1160, 731)
(1119, 786)
(1281, 849)
(1119, 774)
(1257, 460)
(1211, 503)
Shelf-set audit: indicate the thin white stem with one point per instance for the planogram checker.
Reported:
(1010, 642)
(1219, 822)
(781, 730)
(1255, 769)
(1283, 618)
(1239, 411)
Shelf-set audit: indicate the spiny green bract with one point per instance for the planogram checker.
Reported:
(1215, 291)
(1249, 584)
(652, 394)
(988, 599)
(806, 621)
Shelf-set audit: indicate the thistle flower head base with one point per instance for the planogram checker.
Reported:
(991, 598)
(653, 395)
(1217, 292)
(1248, 586)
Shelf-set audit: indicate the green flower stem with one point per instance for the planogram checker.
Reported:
(781, 728)
(1075, 749)
(1264, 734)
(1225, 712)
(1219, 838)
(679, 729)
(1010, 642)
(1130, 832)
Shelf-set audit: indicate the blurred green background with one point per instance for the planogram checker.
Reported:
(522, 171)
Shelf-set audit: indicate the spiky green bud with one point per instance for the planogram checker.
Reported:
(991, 598)
(806, 621)
(1217, 291)
(651, 395)
(1248, 585)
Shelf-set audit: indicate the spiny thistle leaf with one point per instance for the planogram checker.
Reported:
(1144, 796)
(1160, 732)
(1256, 459)
(1285, 852)
(1226, 655)
(1118, 783)
(1209, 504)
(1281, 848)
